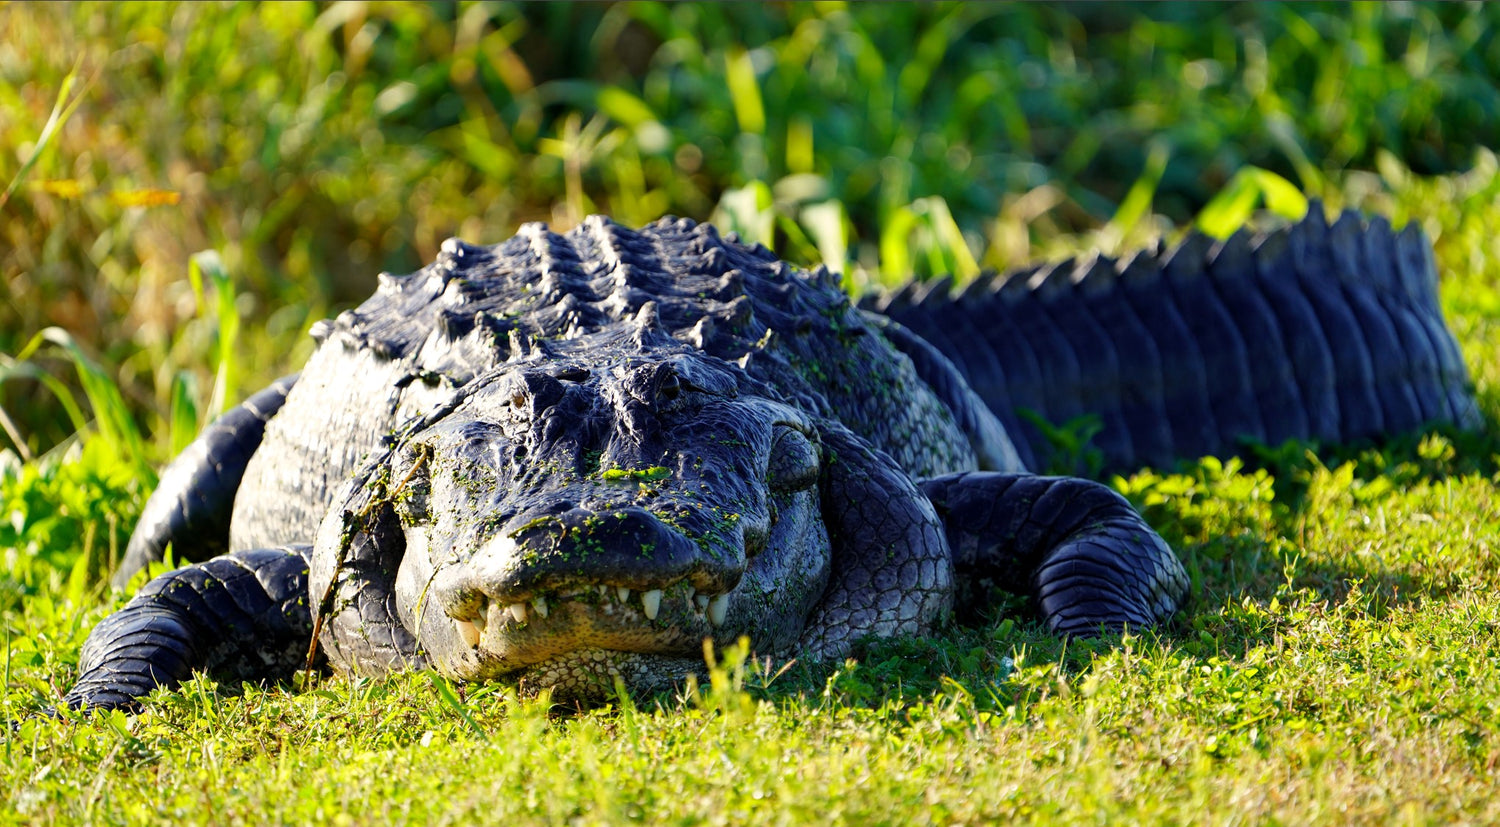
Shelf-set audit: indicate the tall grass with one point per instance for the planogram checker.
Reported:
(311, 146)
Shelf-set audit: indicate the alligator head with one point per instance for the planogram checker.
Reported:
(592, 512)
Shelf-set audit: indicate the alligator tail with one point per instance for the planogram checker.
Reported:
(1311, 332)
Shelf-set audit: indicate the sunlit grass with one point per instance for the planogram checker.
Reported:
(1337, 663)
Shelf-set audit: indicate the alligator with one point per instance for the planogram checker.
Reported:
(569, 460)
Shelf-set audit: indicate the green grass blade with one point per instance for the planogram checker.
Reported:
(748, 210)
(744, 91)
(226, 315)
(450, 700)
(827, 222)
(958, 258)
(111, 415)
(1137, 202)
(22, 369)
(1281, 196)
(895, 245)
(183, 422)
(61, 111)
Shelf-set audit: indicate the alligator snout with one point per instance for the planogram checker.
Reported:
(604, 555)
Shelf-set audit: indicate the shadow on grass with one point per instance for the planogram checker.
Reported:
(1270, 563)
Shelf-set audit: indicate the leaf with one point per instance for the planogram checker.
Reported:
(947, 232)
(111, 415)
(636, 114)
(1231, 208)
(20, 368)
(827, 223)
(227, 316)
(624, 107)
(1282, 196)
(895, 245)
(747, 210)
(144, 198)
(183, 418)
(744, 91)
(1137, 201)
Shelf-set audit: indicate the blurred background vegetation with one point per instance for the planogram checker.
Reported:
(186, 187)
(189, 186)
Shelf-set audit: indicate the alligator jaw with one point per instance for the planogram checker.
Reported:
(491, 626)
(474, 631)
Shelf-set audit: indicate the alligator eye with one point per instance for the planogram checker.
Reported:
(669, 388)
(794, 461)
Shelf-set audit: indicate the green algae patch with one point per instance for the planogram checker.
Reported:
(655, 473)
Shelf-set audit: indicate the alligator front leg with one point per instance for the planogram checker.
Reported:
(239, 616)
(1077, 547)
(891, 571)
(191, 506)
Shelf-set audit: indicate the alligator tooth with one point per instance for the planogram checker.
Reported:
(702, 601)
(603, 591)
(481, 619)
(517, 612)
(540, 604)
(691, 591)
(717, 609)
(468, 631)
(651, 601)
(622, 593)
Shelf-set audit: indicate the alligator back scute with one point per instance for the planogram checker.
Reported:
(1390, 357)
(1360, 414)
(1098, 388)
(1308, 348)
(1407, 305)
(986, 362)
(1217, 337)
(1142, 402)
(1056, 396)
(1185, 376)
(1020, 375)
(1418, 272)
(1317, 332)
(1273, 385)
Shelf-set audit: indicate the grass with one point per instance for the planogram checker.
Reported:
(1337, 665)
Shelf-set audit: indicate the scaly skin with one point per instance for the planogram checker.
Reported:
(568, 460)
(1316, 332)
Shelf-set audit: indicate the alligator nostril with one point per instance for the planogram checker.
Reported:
(557, 549)
(755, 532)
(457, 593)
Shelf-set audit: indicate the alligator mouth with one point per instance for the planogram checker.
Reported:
(672, 620)
(487, 636)
(608, 601)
